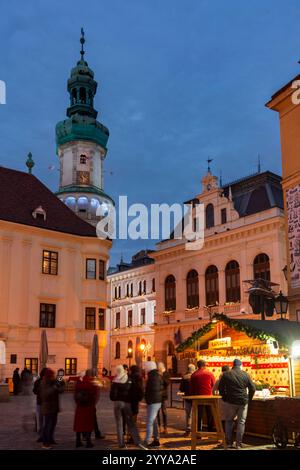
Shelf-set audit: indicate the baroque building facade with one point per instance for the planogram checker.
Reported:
(244, 238)
(52, 278)
(132, 293)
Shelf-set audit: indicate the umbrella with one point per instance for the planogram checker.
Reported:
(95, 354)
(43, 350)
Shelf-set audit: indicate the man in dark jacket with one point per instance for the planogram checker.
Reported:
(165, 396)
(184, 388)
(153, 397)
(37, 392)
(237, 391)
(49, 393)
(202, 382)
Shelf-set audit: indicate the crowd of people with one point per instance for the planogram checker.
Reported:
(128, 388)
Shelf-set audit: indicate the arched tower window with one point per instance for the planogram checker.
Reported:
(261, 267)
(74, 96)
(211, 285)
(170, 293)
(192, 289)
(232, 279)
(118, 350)
(82, 95)
(209, 216)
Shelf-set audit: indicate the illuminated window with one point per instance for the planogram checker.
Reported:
(31, 363)
(50, 262)
(130, 349)
(70, 366)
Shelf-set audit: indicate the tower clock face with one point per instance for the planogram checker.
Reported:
(83, 177)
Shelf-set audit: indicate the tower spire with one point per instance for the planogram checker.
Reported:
(30, 163)
(82, 41)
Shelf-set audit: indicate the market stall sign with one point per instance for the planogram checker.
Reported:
(220, 343)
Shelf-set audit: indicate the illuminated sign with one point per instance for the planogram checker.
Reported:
(220, 343)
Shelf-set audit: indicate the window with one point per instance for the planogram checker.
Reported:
(13, 359)
(31, 363)
(153, 285)
(116, 292)
(209, 216)
(118, 320)
(129, 318)
(101, 269)
(232, 280)
(143, 316)
(118, 350)
(144, 287)
(131, 290)
(90, 318)
(90, 268)
(119, 292)
(101, 313)
(170, 293)
(127, 290)
(47, 315)
(223, 216)
(192, 289)
(261, 267)
(50, 262)
(211, 285)
(83, 159)
(140, 288)
(82, 95)
(130, 349)
(70, 366)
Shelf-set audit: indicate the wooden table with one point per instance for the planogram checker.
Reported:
(212, 402)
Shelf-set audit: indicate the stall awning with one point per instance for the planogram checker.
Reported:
(283, 331)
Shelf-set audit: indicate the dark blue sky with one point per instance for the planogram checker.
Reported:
(178, 81)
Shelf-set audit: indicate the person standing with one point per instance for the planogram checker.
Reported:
(137, 393)
(16, 381)
(121, 395)
(26, 381)
(216, 392)
(37, 392)
(153, 397)
(49, 393)
(202, 382)
(165, 396)
(86, 396)
(184, 388)
(237, 391)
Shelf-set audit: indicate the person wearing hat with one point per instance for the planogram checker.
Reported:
(153, 398)
(237, 390)
(184, 388)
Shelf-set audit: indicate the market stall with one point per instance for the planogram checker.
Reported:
(269, 350)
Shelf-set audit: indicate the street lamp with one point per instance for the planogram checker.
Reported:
(129, 350)
(281, 305)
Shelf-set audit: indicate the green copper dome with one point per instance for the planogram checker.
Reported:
(82, 121)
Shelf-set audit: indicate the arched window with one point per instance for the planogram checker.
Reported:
(130, 349)
(261, 267)
(82, 95)
(82, 159)
(74, 95)
(192, 289)
(118, 350)
(209, 216)
(232, 280)
(170, 293)
(211, 285)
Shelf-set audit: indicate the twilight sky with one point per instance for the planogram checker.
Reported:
(177, 81)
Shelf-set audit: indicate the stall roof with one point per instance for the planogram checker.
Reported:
(283, 331)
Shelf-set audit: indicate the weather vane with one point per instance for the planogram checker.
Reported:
(209, 160)
(82, 41)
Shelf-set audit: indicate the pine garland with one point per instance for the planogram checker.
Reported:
(250, 331)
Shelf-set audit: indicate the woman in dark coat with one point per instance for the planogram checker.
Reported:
(86, 397)
(16, 381)
(50, 389)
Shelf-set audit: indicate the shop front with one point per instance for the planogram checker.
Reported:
(269, 351)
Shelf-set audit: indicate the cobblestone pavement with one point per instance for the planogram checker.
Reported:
(17, 427)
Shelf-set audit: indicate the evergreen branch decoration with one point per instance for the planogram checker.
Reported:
(255, 333)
